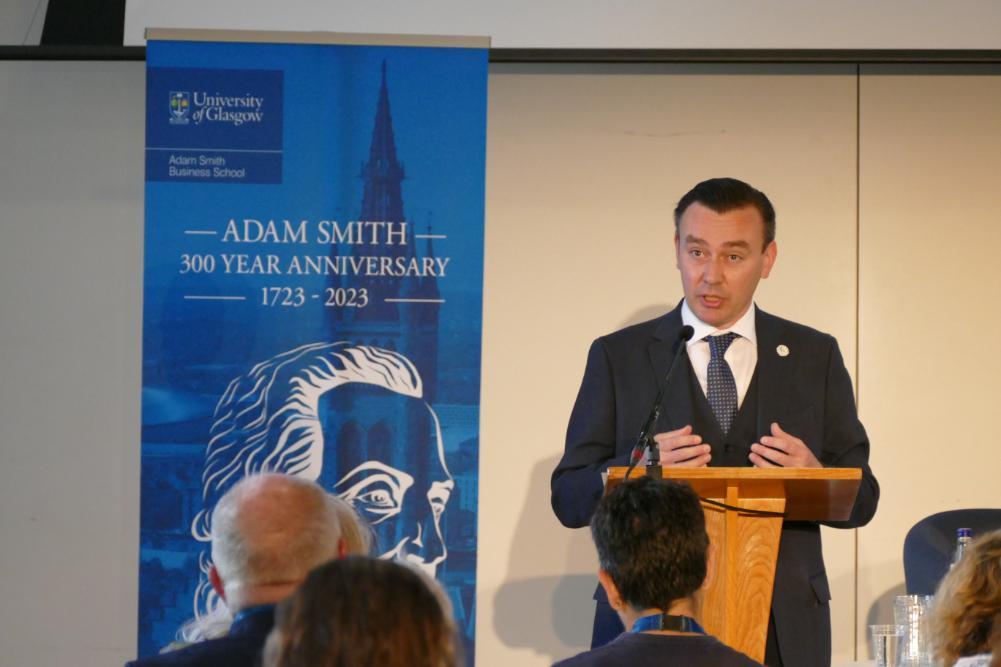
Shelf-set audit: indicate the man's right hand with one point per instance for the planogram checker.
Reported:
(681, 447)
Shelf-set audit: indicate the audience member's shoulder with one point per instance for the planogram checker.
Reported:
(609, 654)
(728, 657)
(707, 651)
(649, 650)
(222, 652)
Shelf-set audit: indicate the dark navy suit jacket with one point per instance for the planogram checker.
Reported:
(808, 392)
(240, 648)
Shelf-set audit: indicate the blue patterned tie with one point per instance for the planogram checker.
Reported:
(721, 390)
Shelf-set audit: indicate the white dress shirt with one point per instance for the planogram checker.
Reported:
(742, 355)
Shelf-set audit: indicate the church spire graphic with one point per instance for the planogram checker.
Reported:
(382, 201)
(383, 173)
(409, 326)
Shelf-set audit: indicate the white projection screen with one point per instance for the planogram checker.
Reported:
(597, 24)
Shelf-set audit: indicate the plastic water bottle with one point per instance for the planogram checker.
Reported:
(963, 538)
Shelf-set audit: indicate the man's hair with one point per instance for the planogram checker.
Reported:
(364, 611)
(357, 538)
(272, 529)
(967, 607)
(723, 195)
(651, 540)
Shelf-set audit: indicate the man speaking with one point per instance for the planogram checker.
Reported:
(753, 390)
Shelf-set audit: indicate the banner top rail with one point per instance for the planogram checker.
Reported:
(316, 37)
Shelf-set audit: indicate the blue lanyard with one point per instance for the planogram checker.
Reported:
(667, 622)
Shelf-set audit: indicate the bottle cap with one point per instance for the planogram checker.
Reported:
(964, 532)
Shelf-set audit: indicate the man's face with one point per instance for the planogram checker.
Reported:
(386, 459)
(721, 259)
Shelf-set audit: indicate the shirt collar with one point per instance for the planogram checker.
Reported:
(744, 327)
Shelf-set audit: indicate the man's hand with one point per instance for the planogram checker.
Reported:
(781, 450)
(682, 448)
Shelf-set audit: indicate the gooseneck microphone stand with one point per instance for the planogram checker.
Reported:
(645, 441)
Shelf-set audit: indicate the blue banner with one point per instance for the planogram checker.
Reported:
(313, 299)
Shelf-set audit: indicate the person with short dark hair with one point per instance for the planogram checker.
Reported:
(753, 390)
(654, 556)
(360, 611)
(728, 194)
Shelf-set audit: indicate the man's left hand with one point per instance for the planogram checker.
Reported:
(782, 450)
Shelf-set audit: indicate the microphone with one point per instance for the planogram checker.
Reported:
(644, 440)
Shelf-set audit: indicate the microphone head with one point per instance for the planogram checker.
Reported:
(686, 333)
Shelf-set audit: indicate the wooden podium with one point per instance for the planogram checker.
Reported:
(738, 595)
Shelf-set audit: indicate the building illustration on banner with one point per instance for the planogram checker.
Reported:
(409, 321)
(355, 408)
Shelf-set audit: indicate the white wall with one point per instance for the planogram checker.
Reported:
(71, 137)
(584, 166)
(665, 24)
(21, 22)
(928, 302)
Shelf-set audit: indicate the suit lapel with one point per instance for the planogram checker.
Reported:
(774, 379)
(677, 404)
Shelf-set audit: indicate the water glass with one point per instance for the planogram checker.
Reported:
(911, 613)
(886, 641)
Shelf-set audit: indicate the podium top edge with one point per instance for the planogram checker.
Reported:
(315, 37)
(721, 473)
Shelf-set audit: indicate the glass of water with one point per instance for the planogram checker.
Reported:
(910, 612)
(886, 641)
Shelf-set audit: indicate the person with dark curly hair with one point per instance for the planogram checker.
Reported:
(654, 556)
(965, 618)
(359, 611)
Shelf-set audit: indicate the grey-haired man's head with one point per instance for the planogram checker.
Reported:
(268, 532)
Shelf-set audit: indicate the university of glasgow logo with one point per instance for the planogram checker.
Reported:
(180, 104)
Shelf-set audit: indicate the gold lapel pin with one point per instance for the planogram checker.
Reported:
(782, 350)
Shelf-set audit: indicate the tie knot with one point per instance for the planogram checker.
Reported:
(719, 344)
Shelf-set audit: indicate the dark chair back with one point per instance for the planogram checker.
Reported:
(930, 543)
